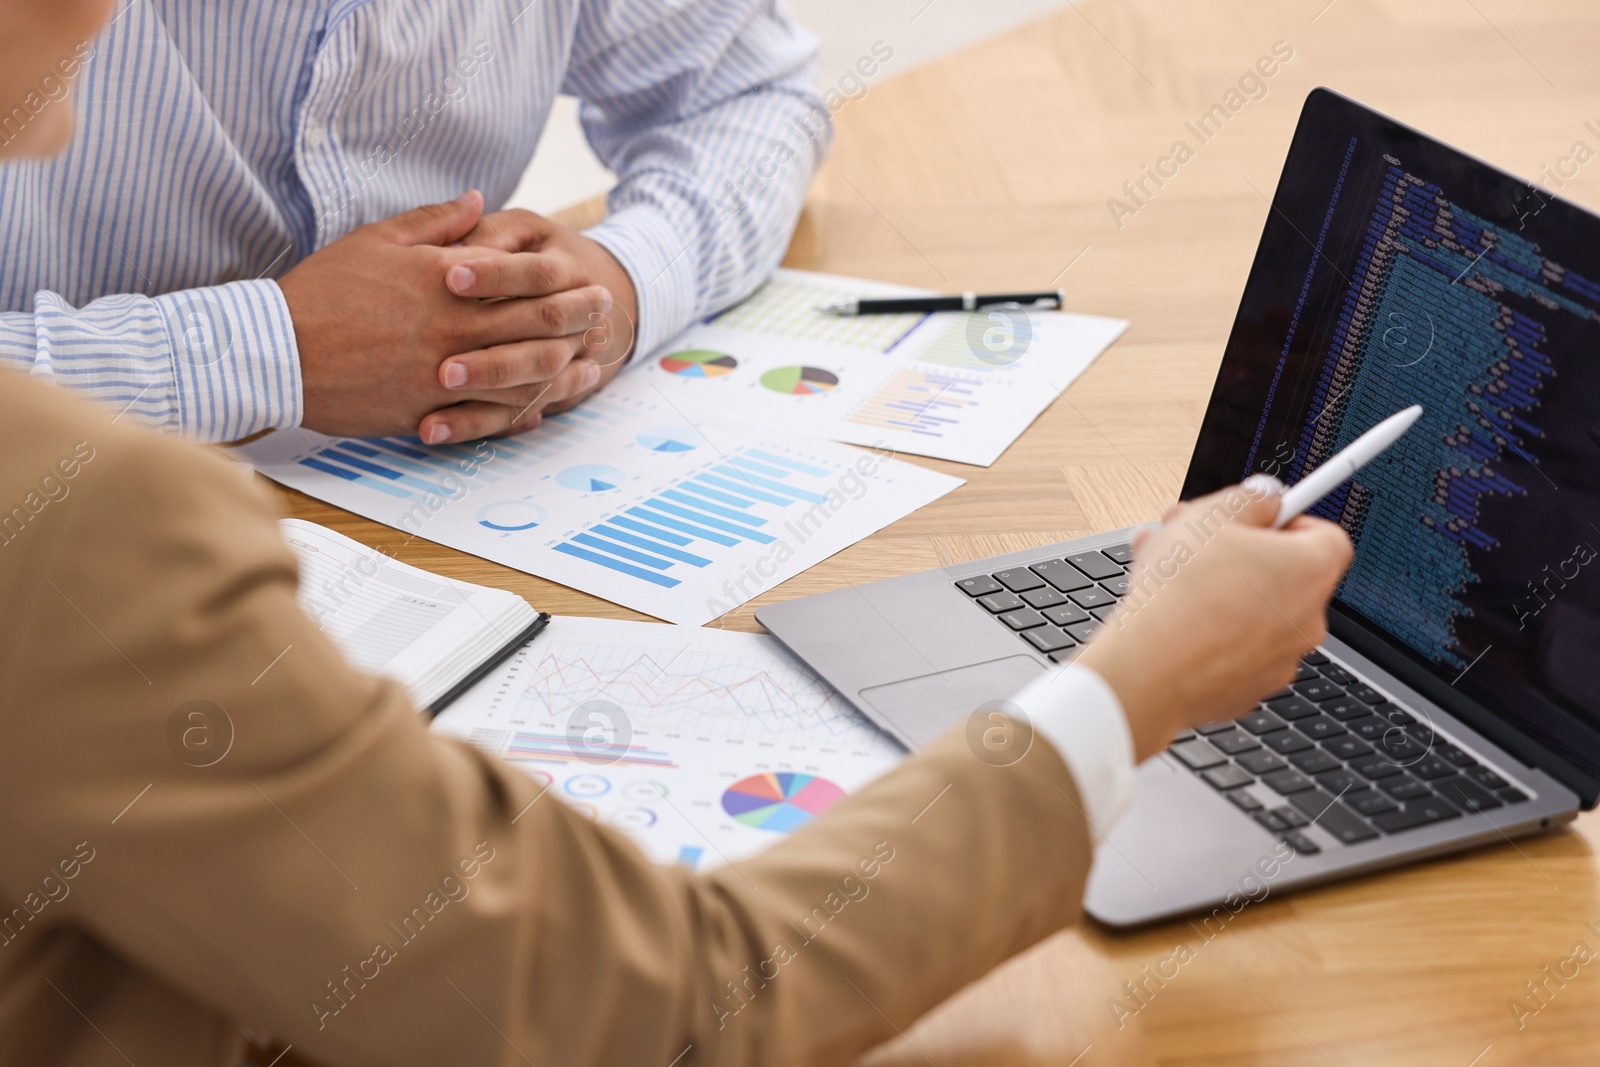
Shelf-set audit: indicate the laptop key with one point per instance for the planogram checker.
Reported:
(1320, 728)
(1314, 658)
(1197, 755)
(1337, 674)
(1456, 757)
(982, 585)
(1313, 802)
(1234, 742)
(1286, 782)
(1226, 777)
(1260, 762)
(1291, 817)
(1215, 727)
(1183, 735)
(1018, 579)
(1066, 655)
(1095, 565)
(1347, 748)
(1404, 788)
(1345, 708)
(1374, 767)
(1293, 707)
(1082, 631)
(1022, 620)
(1369, 803)
(1061, 574)
(1401, 746)
(1304, 673)
(1417, 813)
(1117, 586)
(1092, 597)
(1244, 801)
(1366, 694)
(1284, 742)
(1395, 714)
(1047, 639)
(1043, 597)
(1486, 778)
(1340, 782)
(1431, 768)
(1369, 728)
(1001, 601)
(1271, 820)
(1511, 795)
(1104, 614)
(1261, 722)
(1302, 844)
(1065, 614)
(1318, 689)
(1338, 821)
(1313, 762)
(1468, 796)
(1122, 554)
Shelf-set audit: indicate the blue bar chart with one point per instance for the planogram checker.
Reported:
(625, 496)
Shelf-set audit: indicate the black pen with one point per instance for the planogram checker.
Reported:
(1054, 300)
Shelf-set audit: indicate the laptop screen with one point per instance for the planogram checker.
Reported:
(1394, 270)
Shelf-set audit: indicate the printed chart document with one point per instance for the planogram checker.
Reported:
(957, 386)
(680, 516)
(705, 746)
(428, 632)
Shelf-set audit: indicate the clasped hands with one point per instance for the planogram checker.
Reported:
(452, 324)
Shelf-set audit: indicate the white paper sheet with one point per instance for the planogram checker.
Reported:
(953, 386)
(679, 515)
(705, 746)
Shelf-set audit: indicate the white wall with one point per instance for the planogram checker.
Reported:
(565, 172)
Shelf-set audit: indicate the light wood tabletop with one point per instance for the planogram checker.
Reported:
(993, 169)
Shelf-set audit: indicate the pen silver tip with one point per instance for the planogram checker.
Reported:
(835, 309)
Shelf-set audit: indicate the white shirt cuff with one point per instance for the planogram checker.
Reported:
(1081, 716)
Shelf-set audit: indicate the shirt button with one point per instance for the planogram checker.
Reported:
(315, 134)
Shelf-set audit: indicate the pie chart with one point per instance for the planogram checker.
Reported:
(669, 439)
(800, 381)
(780, 801)
(590, 478)
(699, 363)
(511, 516)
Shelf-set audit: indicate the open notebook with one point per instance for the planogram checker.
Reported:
(435, 635)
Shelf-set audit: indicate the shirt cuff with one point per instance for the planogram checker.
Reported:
(661, 264)
(234, 360)
(1081, 716)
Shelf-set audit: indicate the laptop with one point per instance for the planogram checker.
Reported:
(1456, 701)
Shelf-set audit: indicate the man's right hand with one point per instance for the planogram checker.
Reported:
(373, 321)
(1220, 609)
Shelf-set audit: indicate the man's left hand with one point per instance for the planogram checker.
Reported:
(528, 255)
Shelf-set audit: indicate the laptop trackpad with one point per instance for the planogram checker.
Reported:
(919, 709)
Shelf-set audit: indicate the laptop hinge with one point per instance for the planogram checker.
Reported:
(1375, 646)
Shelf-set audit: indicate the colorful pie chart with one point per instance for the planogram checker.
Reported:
(781, 801)
(699, 363)
(800, 381)
(590, 478)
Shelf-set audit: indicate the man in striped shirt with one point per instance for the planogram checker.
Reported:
(270, 214)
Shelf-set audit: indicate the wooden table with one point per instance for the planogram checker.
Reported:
(992, 169)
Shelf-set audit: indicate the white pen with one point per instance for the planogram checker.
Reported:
(1328, 477)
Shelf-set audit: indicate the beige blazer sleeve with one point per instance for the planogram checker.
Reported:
(338, 878)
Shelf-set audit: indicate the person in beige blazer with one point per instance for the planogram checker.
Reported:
(339, 880)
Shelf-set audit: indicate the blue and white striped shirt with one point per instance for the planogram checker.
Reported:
(222, 141)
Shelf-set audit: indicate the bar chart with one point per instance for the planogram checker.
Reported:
(626, 496)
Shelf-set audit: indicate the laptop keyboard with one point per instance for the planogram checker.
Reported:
(1328, 749)
(1055, 605)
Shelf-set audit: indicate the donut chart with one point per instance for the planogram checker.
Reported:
(779, 801)
(800, 381)
(699, 363)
